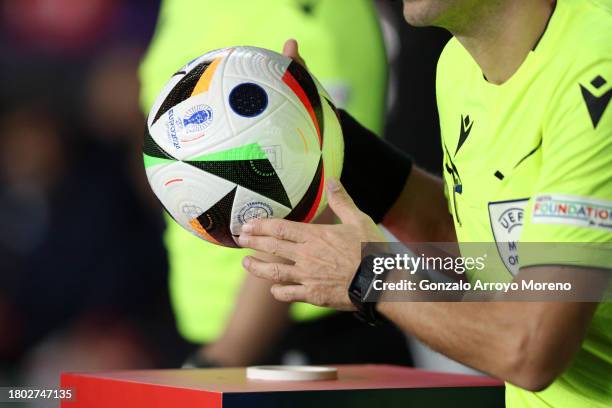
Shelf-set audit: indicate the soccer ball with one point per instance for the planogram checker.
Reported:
(237, 134)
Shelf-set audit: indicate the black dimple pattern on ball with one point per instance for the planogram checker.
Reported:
(248, 99)
(301, 209)
(256, 175)
(217, 220)
(150, 148)
(182, 90)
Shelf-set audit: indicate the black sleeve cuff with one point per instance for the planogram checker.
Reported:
(374, 172)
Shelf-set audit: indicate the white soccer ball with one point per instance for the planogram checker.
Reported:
(237, 134)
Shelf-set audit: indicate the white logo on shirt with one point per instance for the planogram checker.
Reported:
(507, 218)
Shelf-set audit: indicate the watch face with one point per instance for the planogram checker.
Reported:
(360, 288)
(362, 279)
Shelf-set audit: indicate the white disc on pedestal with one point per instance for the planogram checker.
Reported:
(291, 373)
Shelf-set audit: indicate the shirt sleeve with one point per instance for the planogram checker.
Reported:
(371, 165)
(572, 198)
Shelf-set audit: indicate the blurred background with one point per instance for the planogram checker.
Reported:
(83, 269)
(84, 262)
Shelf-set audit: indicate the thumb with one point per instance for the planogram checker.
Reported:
(290, 49)
(340, 202)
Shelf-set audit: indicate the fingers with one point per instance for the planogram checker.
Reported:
(269, 245)
(262, 256)
(341, 203)
(275, 272)
(290, 49)
(277, 228)
(289, 293)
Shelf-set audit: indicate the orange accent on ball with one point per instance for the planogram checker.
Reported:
(204, 81)
(195, 224)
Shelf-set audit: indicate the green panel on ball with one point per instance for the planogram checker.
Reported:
(150, 161)
(251, 151)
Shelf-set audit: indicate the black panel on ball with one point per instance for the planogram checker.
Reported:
(301, 210)
(151, 148)
(217, 220)
(256, 175)
(309, 86)
(182, 90)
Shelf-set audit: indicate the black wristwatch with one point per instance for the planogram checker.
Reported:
(360, 291)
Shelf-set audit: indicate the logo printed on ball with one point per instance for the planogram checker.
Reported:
(253, 210)
(248, 99)
(197, 118)
(171, 126)
(274, 156)
(191, 210)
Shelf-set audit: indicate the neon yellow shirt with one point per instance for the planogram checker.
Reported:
(516, 152)
(342, 45)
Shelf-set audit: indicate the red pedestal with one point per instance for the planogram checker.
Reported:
(357, 386)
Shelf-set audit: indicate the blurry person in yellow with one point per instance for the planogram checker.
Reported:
(235, 318)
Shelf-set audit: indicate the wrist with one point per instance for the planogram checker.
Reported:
(222, 354)
(199, 359)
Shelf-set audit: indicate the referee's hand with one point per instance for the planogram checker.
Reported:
(323, 258)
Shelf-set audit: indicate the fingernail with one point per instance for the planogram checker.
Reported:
(332, 185)
(243, 239)
(247, 228)
(246, 261)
